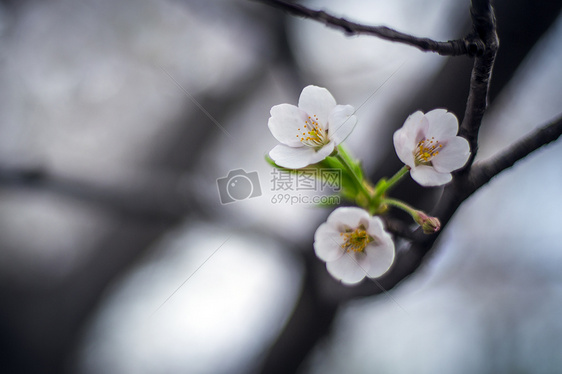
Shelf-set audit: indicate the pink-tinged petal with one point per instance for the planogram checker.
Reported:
(292, 158)
(406, 138)
(285, 122)
(317, 101)
(347, 268)
(322, 153)
(380, 256)
(442, 124)
(328, 243)
(452, 156)
(341, 123)
(348, 217)
(416, 126)
(404, 145)
(427, 176)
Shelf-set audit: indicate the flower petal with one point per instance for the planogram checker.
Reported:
(284, 123)
(322, 153)
(292, 158)
(406, 138)
(317, 101)
(347, 268)
(350, 217)
(442, 124)
(427, 176)
(452, 156)
(328, 243)
(341, 123)
(404, 147)
(416, 125)
(375, 228)
(380, 257)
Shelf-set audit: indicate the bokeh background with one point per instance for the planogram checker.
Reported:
(117, 256)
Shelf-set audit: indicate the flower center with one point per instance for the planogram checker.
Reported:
(312, 134)
(355, 240)
(426, 150)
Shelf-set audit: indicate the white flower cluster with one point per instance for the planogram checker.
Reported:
(352, 242)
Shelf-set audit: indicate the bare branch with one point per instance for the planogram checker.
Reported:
(398, 227)
(412, 256)
(467, 46)
(143, 199)
(484, 171)
(413, 247)
(484, 24)
(454, 195)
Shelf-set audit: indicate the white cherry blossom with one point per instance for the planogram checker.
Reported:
(429, 145)
(354, 245)
(310, 132)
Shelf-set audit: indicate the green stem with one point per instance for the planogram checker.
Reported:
(356, 179)
(401, 205)
(341, 149)
(395, 178)
(430, 225)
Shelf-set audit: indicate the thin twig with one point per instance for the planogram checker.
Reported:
(466, 46)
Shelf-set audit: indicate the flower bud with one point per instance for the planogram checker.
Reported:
(429, 225)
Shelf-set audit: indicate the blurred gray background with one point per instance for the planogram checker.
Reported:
(117, 256)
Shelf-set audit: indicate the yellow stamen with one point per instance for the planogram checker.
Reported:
(426, 150)
(316, 136)
(356, 240)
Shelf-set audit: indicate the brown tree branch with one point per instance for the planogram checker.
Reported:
(484, 24)
(463, 184)
(411, 257)
(144, 199)
(467, 46)
(483, 171)
(453, 196)
(412, 253)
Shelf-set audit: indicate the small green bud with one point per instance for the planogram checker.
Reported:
(429, 225)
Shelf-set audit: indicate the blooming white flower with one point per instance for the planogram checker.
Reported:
(354, 245)
(310, 132)
(429, 145)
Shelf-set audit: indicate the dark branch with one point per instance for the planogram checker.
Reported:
(142, 199)
(398, 227)
(467, 46)
(411, 257)
(484, 24)
(455, 193)
(413, 251)
(459, 190)
(484, 171)
(292, 346)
